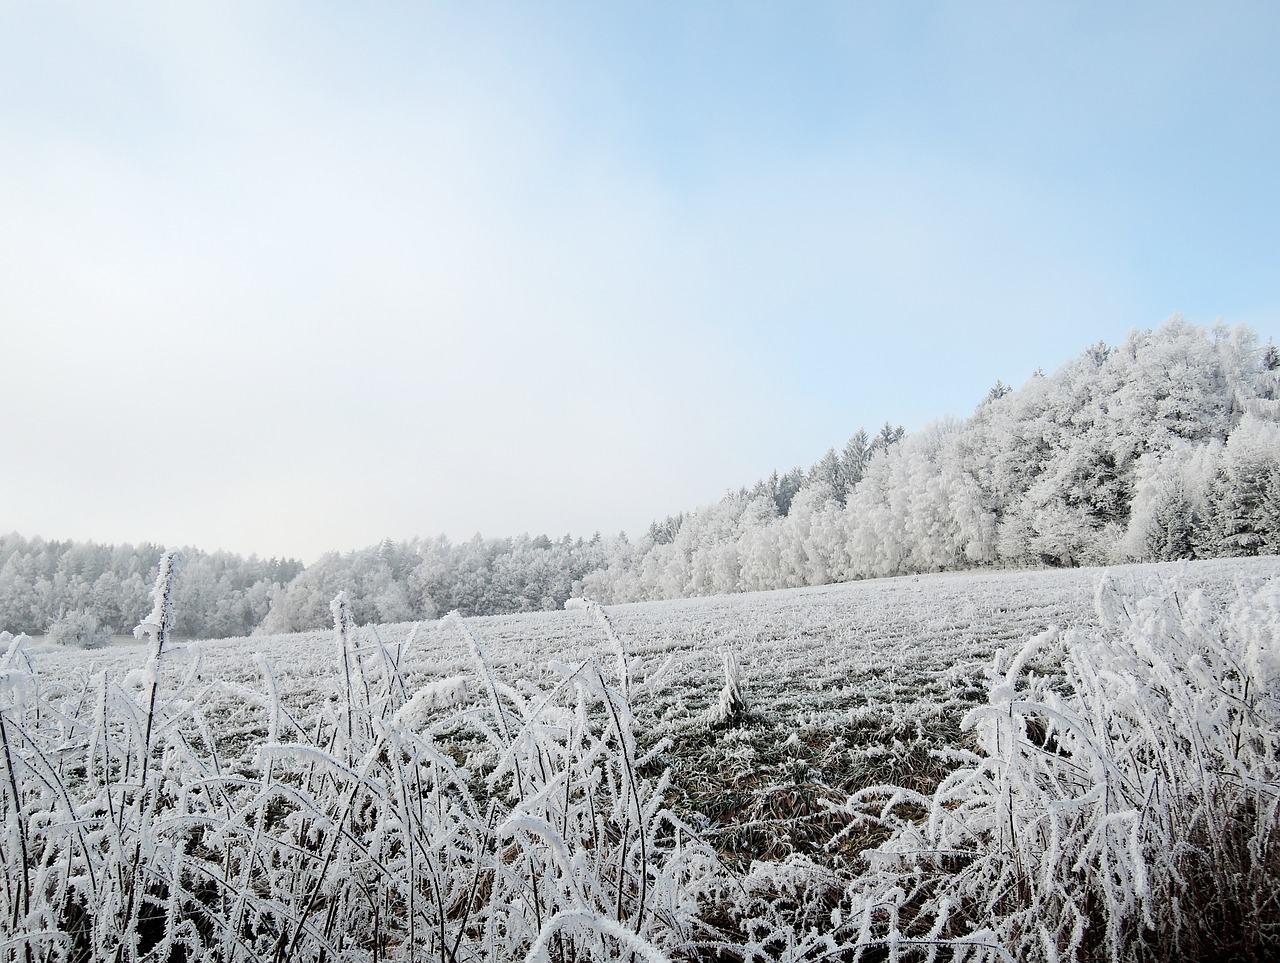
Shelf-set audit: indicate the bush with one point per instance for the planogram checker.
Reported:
(1125, 810)
(78, 630)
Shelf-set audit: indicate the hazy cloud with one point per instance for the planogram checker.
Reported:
(285, 280)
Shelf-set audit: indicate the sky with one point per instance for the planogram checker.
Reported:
(284, 277)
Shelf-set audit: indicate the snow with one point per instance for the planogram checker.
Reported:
(868, 680)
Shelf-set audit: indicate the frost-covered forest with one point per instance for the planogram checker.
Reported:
(1164, 447)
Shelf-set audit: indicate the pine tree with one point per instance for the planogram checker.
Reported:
(853, 463)
(998, 391)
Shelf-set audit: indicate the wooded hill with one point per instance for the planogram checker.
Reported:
(1166, 446)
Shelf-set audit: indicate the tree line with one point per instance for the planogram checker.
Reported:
(222, 594)
(1164, 447)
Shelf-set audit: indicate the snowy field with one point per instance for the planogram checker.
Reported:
(805, 653)
(847, 687)
(809, 656)
(870, 675)
(904, 652)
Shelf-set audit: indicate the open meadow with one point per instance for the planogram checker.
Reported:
(694, 779)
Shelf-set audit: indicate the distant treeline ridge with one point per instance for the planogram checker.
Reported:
(1164, 447)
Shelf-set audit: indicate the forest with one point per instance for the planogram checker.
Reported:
(1164, 447)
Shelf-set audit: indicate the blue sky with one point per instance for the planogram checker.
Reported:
(286, 277)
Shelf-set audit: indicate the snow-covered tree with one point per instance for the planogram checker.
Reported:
(1170, 515)
(1245, 492)
(78, 630)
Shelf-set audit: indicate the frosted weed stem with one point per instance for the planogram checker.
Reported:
(158, 625)
(25, 904)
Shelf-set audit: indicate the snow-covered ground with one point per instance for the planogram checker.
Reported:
(804, 653)
(574, 775)
(875, 666)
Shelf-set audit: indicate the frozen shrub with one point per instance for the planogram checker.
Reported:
(78, 629)
(732, 706)
(471, 820)
(1126, 810)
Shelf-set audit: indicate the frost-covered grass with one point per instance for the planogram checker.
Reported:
(578, 785)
